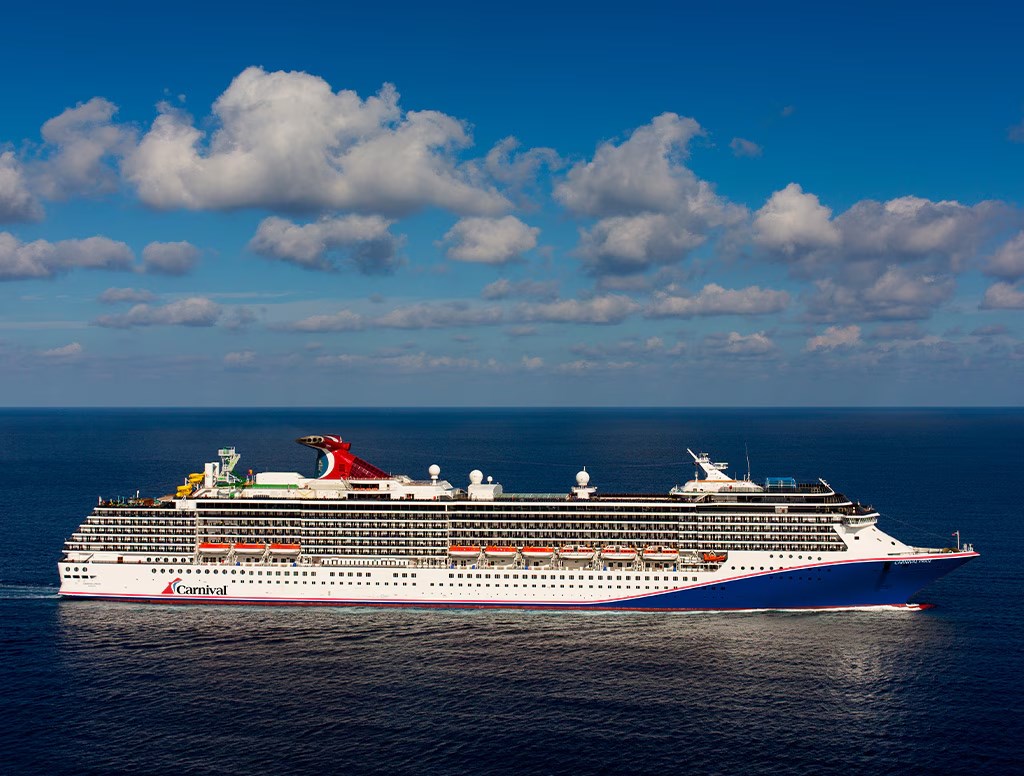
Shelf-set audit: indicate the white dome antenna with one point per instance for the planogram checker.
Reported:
(476, 477)
(434, 471)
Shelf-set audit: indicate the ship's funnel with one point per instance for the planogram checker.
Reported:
(335, 462)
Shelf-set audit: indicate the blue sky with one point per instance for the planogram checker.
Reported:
(539, 205)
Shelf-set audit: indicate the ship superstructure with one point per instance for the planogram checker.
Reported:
(354, 534)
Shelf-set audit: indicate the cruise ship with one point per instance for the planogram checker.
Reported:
(355, 535)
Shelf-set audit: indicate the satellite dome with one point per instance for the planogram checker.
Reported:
(476, 477)
(582, 478)
(434, 470)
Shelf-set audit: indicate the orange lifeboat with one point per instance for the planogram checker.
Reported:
(661, 554)
(618, 553)
(538, 553)
(464, 552)
(495, 552)
(714, 557)
(576, 552)
(214, 548)
(249, 549)
(285, 549)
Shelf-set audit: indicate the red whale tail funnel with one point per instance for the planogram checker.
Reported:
(335, 462)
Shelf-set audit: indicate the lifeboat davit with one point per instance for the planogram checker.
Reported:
(214, 548)
(285, 549)
(714, 557)
(463, 552)
(249, 549)
(500, 553)
(576, 552)
(661, 554)
(538, 553)
(618, 553)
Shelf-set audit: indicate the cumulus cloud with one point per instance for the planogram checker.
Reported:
(119, 295)
(834, 337)
(411, 362)
(83, 142)
(795, 225)
(365, 241)
(44, 259)
(490, 240)
(607, 309)
(792, 221)
(741, 147)
(898, 294)
(343, 320)
(503, 288)
(506, 164)
(651, 208)
(1008, 261)
(532, 362)
(193, 311)
(439, 315)
(713, 299)
(643, 173)
(64, 353)
(736, 344)
(286, 140)
(1003, 296)
(169, 258)
(16, 200)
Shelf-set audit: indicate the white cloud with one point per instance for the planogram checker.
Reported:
(83, 141)
(518, 169)
(713, 299)
(835, 337)
(1003, 296)
(343, 320)
(792, 221)
(64, 353)
(607, 309)
(651, 208)
(192, 311)
(1008, 261)
(240, 359)
(44, 259)
(286, 140)
(503, 288)
(363, 240)
(757, 344)
(440, 315)
(16, 201)
(490, 240)
(119, 295)
(872, 235)
(898, 294)
(169, 258)
(532, 362)
(641, 174)
(741, 147)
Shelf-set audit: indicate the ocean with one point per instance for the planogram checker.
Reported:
(96, 687)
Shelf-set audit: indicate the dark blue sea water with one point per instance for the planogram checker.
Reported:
(91, 687)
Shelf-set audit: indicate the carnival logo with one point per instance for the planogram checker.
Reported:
(180, 587)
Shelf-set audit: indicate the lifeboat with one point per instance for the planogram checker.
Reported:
(214, 548)
(500, 553)
(538, 553)
(285, 549)
(463, 552)
(249, 549)
(661, 554)
(576, 552)
(714, 557)
(618, 553)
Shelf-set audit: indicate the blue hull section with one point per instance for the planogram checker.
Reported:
(865, 583)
